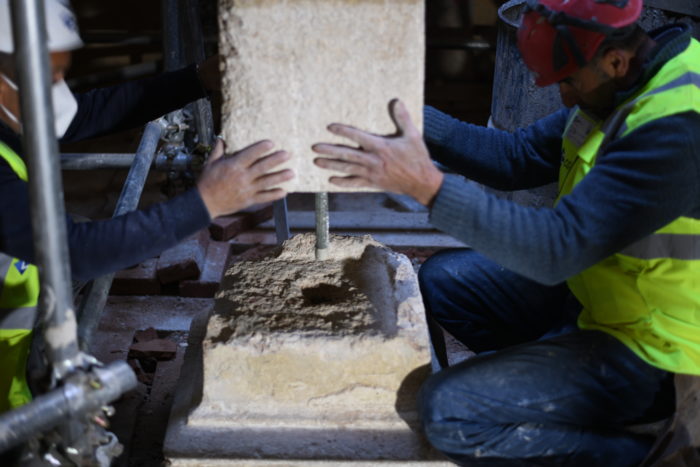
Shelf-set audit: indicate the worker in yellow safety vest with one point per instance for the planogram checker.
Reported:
(226, 184)
(19, 289)
(18, 311)
(581, 313)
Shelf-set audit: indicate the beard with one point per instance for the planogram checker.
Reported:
(601, 100)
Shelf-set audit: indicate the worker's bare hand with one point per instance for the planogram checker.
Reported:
(399, 163)
(209, 73)
(231, 182)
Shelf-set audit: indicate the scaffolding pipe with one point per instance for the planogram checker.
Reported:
(91, 161)
(81, 394)
(172, 50)
(45, 187)
(136, 179)
(322, 226)
(195, 53)
(98, 290)
(95, 161)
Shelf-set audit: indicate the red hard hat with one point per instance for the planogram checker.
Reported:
(557, 37)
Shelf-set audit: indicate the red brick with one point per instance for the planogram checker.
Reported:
(207, 285)
(184, 261)
(227, 227)
(145, 335)
(160, 349)
(139, 280)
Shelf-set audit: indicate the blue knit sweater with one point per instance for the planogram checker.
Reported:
(100, 247)
(640, 183)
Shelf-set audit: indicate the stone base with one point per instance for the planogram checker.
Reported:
(217, 445)
(324, 387)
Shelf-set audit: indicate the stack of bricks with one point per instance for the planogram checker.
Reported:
(194, 267)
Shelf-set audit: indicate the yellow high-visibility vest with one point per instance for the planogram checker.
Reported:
(648, 294)
(19, 292)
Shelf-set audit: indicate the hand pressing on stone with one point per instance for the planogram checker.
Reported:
(399, 163)
(231, 182)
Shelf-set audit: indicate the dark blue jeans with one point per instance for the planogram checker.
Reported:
(540, 391)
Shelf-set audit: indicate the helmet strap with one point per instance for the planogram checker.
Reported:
(558, 54)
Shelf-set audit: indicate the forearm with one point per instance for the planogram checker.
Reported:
(132, 104)
(517, 237)
(508, 161)
(641, 184)
(101, 247)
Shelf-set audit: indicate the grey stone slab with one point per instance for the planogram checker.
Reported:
(293, 67)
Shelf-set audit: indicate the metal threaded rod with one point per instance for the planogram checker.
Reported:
(322, 225)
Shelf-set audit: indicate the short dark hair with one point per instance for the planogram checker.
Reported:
(627, 38)
(7, 65)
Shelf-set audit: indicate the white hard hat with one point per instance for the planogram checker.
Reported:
(60, 22)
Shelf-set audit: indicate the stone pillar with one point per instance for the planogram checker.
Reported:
(293, 67)
(307, 361)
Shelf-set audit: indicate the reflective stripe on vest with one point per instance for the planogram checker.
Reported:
(685, 247)
(648, 294)
(19, 318)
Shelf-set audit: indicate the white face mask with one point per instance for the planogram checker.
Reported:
(64, 106)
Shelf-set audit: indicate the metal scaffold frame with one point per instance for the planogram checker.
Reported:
(81, 388)
(67, 423)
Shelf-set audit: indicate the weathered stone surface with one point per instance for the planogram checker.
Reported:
(293, 67)
(306, 359)
(292, 337)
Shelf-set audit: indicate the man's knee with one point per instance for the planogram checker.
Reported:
(432, 272)
(441, 424)
(443, 271)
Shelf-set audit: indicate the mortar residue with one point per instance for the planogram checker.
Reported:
(292, 292)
